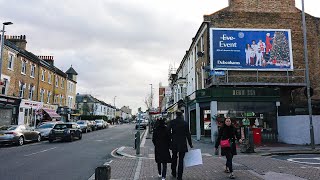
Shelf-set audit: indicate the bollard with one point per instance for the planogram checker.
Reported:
(103, 172)
(137, 143)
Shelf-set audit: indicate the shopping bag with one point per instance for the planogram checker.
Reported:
(193, 158)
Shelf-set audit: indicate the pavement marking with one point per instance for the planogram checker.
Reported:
(144, 137)
(40, 151)
(137, 174)
(297, 160)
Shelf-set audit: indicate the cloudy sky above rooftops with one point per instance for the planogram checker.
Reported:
(118, 47)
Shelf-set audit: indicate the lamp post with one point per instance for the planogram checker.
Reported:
(2, 44)
(114, 101)
(307, 75)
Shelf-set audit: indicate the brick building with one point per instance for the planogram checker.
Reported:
(253, 90)
(29, 84)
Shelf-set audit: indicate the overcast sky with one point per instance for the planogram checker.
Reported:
(118, 47)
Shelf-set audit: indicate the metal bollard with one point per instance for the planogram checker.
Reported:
(103, 172)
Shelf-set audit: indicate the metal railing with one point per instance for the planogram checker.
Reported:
(294, 78)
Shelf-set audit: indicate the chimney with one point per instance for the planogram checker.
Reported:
(19, 41)
(48, 59)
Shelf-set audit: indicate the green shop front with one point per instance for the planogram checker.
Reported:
(255, 108)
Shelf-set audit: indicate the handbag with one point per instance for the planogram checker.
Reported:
(225, 143)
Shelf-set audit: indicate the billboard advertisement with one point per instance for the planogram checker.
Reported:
(251, 49)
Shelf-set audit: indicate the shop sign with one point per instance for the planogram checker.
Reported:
(217, 73)
(30, 104)
(7, 100)
(250, 114)
(243, 92)
(49, 106)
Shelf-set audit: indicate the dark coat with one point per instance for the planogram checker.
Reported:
(161, 143)
(179, 134)
(227, 132)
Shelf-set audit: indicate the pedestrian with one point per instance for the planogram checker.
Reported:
(161, 143)
(179, 135)
(228, 132)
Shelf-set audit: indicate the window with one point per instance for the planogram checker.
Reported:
(31, 89)
(41, 95)
(62, 83)
(33, 68)
(21, 89)
(202, 44)
(24, 67)
(48, 97)
(57, 81)
(42, 75)
(49, 77)
(5, 86)
(10, 63)
(61, 97)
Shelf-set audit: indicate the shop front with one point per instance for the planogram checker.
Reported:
(49, 113)
(29, 112)
(9, 107)
(252, 109)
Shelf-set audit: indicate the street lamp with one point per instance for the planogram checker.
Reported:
(2, 44)
(114, 101)
(307, 74)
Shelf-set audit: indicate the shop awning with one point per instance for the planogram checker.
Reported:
(52, 113)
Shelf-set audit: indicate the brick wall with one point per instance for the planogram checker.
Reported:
(261, 18)
(45, 85)
(262, 5)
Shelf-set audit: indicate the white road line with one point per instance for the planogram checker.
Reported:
(40, 151)
(137, 174)
(300, 160)
(144, 137)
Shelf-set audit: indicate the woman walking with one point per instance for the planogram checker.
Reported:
(228, 132)
(161, 142)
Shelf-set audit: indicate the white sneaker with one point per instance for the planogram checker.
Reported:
(159, 175)
(163, 179)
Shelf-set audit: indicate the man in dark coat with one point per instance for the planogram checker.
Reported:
(161, 143)
(179, 134)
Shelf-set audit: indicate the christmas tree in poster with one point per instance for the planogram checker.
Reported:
(280, 52)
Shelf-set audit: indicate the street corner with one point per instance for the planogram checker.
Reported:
(123, 151)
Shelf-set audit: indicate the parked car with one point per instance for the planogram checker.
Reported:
(45, 129)
(93, 125)
(85, 125)
(65, 131)
(18, 134)
(143, 124)
(100, 123)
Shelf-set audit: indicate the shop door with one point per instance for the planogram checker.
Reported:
(193, 122)
(6, 116)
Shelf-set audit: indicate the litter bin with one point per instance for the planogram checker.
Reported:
(256, 136)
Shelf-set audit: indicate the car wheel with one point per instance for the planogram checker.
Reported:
(71, 138)
(20, 141)
(39, 138)
(86, 130)
(80, 135)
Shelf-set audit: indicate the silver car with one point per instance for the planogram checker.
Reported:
(18, 134)
(100, 124)
(45, 129)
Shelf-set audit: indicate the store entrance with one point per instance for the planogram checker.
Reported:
(258, 116)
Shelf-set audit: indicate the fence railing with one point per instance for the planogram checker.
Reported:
(296, 77)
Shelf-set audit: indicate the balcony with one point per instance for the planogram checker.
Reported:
(294, 78)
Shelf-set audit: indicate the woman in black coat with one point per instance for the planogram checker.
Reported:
(228, 131)
(161, 142)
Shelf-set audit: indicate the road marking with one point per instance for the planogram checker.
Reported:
(297, 160)
(137, 174)
(40, 151)
(144, 137)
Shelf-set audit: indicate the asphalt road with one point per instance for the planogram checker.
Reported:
(64, 160)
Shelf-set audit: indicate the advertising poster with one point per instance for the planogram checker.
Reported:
(251, 49)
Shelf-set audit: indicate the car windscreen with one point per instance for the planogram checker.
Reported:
(44, 126)
(80, 122)
(62, 126)
(8, 128)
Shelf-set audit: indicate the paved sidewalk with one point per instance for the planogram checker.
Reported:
(246, 166)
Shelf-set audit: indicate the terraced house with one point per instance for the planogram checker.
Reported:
(33, 87)
(246, 62)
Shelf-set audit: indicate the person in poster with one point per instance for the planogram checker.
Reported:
(248, 51)
(268, 43)
(255, 49)
(260, 54)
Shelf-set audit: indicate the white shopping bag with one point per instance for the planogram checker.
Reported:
(193, 158)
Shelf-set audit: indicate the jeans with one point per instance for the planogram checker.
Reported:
(229, 157)
(164, 169)
(175, 155)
